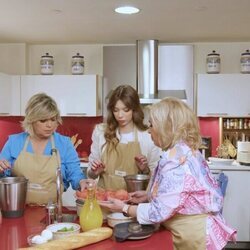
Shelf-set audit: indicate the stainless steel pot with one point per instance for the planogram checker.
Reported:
(13, 192)
(136, 182)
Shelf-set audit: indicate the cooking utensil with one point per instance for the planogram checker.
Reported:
(136, 182)
(133, 231)
(13, 192)
(78, 143)
(73, 139)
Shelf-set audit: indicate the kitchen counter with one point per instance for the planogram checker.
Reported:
(235, 166)
(14, 233)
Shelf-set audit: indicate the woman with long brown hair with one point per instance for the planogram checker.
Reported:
(122, 145)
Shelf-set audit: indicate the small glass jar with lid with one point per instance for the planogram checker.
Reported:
(213, 63)
(245, 62)
(47, 64)
(77, 65)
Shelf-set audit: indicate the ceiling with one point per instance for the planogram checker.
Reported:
(94, 21)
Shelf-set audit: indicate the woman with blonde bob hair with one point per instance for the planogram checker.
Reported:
(174, 121)
(37, 152)
(121, 146)
(40, 107)
(182, 194)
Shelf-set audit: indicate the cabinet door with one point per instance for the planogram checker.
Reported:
(75, 95)
(9, 95)
(223, 95)
(236, 209)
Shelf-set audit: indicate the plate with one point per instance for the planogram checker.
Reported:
(220, 161)
(139, 237)
(121, 231)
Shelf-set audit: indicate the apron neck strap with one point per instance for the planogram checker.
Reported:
(136, 134)
(28, 139)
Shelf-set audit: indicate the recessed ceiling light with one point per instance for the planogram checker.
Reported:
(127, 10)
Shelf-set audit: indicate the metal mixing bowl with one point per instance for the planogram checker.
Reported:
(136, 182)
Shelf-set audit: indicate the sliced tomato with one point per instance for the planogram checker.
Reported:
(110, 194)
(121, 194)
(81, 194)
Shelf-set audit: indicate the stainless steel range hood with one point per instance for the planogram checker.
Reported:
(147, 74)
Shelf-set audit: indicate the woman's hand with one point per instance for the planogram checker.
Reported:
(97, 167)
(4, 165)
(138, 197)
(142, 164)
(115, 205)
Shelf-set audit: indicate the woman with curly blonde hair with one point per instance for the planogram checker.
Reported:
(182, 194)
(122, 145)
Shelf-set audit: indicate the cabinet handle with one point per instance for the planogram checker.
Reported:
(220, 114)
(77, 114)
(4, 114)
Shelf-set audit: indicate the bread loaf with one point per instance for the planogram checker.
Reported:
(76, 240)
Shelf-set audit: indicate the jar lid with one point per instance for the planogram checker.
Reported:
(47, 55)
(213, 53)
(77, 56)
(246, 53)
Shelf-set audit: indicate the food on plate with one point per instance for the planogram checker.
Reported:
(104, 195)
(77, 240)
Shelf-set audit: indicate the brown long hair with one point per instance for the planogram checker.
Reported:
(128, 95)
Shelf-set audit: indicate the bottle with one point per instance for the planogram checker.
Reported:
(245, 62)
(91, 214)
(213, 63)
(77, 65)
(50, 213)
(47, 64)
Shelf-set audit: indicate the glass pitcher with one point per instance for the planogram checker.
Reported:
(91, 214)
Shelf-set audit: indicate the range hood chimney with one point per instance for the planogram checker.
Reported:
(147, 74)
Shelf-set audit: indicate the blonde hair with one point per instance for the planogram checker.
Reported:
(40, 107)
(174, 121)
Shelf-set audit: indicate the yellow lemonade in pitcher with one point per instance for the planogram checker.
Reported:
(91, 214)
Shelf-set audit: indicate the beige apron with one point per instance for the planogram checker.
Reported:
(189, 231)
(119, 163)
(41, 172)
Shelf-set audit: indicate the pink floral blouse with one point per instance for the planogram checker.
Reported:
(183, 184)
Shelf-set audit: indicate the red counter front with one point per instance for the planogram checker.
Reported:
(14, 233)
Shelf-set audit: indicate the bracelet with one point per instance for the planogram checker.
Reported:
(125, 210)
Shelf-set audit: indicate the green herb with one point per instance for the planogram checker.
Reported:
(66, 229)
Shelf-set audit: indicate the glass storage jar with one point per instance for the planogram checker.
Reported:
(77, 65)
(47, 64)
(245, 62)
(213, 63)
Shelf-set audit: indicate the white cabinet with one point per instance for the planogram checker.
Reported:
(75, 95)
(223, 95)
(175, 69)
(9, 95)
(236, 208)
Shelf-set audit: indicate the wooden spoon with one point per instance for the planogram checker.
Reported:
(78, 143)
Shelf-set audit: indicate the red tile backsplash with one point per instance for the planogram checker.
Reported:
(83, 126)
(209, 126)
